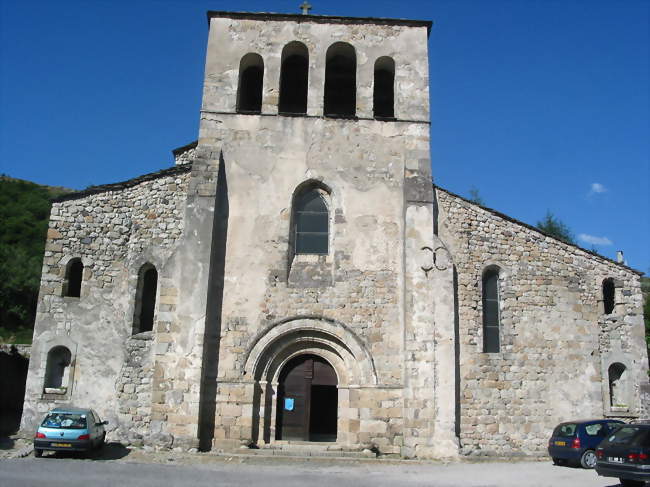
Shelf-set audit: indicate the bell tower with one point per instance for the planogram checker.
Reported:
(309, 233)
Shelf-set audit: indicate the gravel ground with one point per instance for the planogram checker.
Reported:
(135, 467)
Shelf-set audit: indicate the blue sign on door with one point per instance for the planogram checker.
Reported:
(288, 403)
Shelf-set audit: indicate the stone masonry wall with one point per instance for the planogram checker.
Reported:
(133, 389)
(556, 342)
(185, 154)
(645, 401)
(265, 158)
(357, 284)
(114, 229)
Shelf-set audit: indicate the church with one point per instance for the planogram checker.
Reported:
(297, 278)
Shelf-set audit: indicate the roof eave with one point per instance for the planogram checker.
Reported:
(535, 229)
(319, 19)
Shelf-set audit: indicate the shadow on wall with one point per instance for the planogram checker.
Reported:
(12, 389)
(457, 397)
(212, 335)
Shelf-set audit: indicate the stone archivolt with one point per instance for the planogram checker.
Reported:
(334, 341)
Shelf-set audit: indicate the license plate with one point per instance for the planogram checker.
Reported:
(62, 445)
(560, 443)
(616, 459)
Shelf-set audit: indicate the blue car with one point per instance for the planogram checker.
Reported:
(70, 429)
(575, 442)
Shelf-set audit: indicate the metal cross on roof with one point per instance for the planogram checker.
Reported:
(306, 7)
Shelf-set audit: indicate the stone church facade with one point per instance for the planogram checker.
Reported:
(297, 277)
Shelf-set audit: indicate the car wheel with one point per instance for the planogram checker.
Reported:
(38, 453)
(631, 483)
(558, 461)
(588, 459)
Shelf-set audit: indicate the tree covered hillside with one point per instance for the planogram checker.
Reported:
(24, 213)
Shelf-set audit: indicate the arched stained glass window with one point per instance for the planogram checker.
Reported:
(311, 223)
(491, 342)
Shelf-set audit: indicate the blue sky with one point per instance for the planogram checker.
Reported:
(540, 105)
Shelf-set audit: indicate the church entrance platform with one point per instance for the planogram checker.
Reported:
(307, 449)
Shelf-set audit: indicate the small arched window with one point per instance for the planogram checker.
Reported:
(491, 342)
(293, 78)
(251, 77)
(74, 272)
(310, 226)
(608, 295)
(56, 369)
(383, 90)
(145, 299)
(617, 385)
(340, 81)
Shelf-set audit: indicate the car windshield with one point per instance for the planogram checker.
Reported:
(630, 435)
(565, 430)
(75, 421)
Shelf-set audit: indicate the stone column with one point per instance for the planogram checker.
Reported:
(182, 410)
(429, 381)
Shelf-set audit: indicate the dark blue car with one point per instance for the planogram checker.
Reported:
(626, 454)
(575, 442)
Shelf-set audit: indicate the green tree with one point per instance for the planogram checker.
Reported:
(553, 226)
(24, 212)
(475, 196)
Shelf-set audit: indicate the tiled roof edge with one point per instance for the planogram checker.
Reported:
(185, 147)
(180, 169)
(320, 19)
(535, 229)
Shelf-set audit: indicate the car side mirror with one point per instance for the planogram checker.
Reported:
(102, 423)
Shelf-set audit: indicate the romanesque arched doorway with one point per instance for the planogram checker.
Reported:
(307, 407)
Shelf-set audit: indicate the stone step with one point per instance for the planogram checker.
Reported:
(307, 449)
(311, 445)
(306, 452)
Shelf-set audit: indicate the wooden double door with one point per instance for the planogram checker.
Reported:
(307, 406)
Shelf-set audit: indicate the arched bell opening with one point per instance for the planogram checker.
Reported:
(307, 400)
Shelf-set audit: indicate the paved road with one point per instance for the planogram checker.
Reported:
(224, 472)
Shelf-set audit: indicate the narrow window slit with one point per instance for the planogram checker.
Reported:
(383, 89)
(145, 299)
(608, 295)
(491, 319)
(73, 278)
